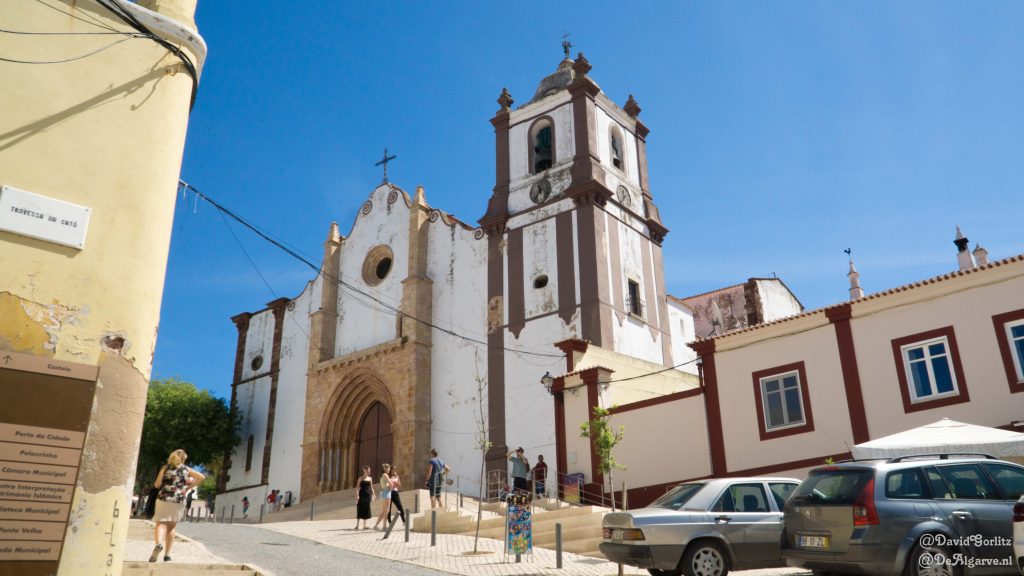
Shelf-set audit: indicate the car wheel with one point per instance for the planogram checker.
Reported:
(656, 572)
(705, 559)
(931, 561)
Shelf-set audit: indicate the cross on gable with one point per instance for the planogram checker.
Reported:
(384, 162)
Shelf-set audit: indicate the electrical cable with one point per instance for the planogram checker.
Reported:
(86, 55)
(319, 270)
(119, 10)
(391, 309)
(24, 33)
(93, 21)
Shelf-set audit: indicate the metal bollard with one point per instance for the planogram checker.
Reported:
(416, 503)
(406, 523)
(433, 527)
(558, 545)
(232, 514)
(311, 506)
(263, 508)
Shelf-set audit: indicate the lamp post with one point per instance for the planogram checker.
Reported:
(547, 380)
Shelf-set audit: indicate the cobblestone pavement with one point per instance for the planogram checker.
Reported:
(452, 552)
(279, 554)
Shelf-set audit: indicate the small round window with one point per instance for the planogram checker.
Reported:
(377, 265)
(540, 281)
(256, 363)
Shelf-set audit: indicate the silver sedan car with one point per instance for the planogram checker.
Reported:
(703, 528)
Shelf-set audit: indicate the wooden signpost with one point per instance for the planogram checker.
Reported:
(44, 417)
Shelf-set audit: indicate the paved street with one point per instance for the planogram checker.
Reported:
(285, 555)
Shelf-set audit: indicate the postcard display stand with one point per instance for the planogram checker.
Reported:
(44, 417)
(518, 527)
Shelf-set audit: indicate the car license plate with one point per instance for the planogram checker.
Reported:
(813, 541)
(617, 535)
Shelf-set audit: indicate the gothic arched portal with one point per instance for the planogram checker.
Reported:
(356, 431)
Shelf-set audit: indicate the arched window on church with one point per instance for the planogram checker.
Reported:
(618, 158)
(542, 145)
(248, 454)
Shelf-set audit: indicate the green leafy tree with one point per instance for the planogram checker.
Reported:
(604, 438)
(178, 415)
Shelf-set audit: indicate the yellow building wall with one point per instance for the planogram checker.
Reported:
(106, 132)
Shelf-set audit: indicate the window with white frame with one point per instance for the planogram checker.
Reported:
(929, 369)
(1015, 338)
(782, 400)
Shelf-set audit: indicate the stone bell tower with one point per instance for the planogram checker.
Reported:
(574, 234)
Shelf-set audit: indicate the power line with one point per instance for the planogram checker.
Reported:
(26, 33)
(125, 15)
(86, 55)
(389, 308)
(92, 21)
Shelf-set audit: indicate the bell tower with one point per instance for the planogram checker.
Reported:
(574, 234)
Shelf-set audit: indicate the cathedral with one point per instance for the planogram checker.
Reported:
(422, 331)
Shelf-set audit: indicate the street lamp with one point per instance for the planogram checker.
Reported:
(547, 381)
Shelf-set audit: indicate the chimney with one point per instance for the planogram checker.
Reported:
(963, 257)
(856, 292)
(980, 255)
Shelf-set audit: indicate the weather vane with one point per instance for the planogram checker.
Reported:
(849, 253)
(384, 162)
(566, 45)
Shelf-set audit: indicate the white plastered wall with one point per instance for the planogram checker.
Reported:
(613, 176)
(969, 309)
(529, 408)
(361, 322)
(776, 300)
(457, 262)
(540, 258)
(680, 320)
(662, 443)
(816, 347)
(290, 409)
(633, 337)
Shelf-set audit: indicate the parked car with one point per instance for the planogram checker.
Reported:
(917, 515)
(702, 528)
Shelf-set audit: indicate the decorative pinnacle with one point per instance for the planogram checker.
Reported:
(421, 197)
(581, 66)
(631, 107)
(505, 100)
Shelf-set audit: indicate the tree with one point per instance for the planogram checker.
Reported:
(483, 442)
(180, 416)
(604, 438)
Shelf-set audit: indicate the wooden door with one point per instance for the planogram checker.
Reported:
(375, 442)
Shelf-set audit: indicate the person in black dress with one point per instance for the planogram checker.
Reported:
(364, 498)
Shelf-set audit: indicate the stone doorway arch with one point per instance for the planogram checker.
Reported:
(357, 424)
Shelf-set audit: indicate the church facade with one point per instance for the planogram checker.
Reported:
(421, 329)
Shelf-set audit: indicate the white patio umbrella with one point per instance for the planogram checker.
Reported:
(944, 436)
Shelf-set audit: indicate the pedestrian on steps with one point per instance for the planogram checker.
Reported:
(396, 500)
(385, 497)
(364, 498)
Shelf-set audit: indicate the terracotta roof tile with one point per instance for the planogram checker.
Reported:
(874, 296)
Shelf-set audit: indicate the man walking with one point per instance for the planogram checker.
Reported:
(520, 468)
(436, 469)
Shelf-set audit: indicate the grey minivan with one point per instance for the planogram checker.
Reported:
(929, 514)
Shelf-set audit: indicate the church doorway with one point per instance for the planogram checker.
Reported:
(374, 442)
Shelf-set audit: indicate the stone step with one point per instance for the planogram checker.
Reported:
(179, 569)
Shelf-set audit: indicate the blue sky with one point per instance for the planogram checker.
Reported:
(781, 134)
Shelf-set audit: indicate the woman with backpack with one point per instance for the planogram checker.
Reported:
(174, 480)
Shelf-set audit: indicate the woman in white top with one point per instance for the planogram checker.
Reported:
(385, 496)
